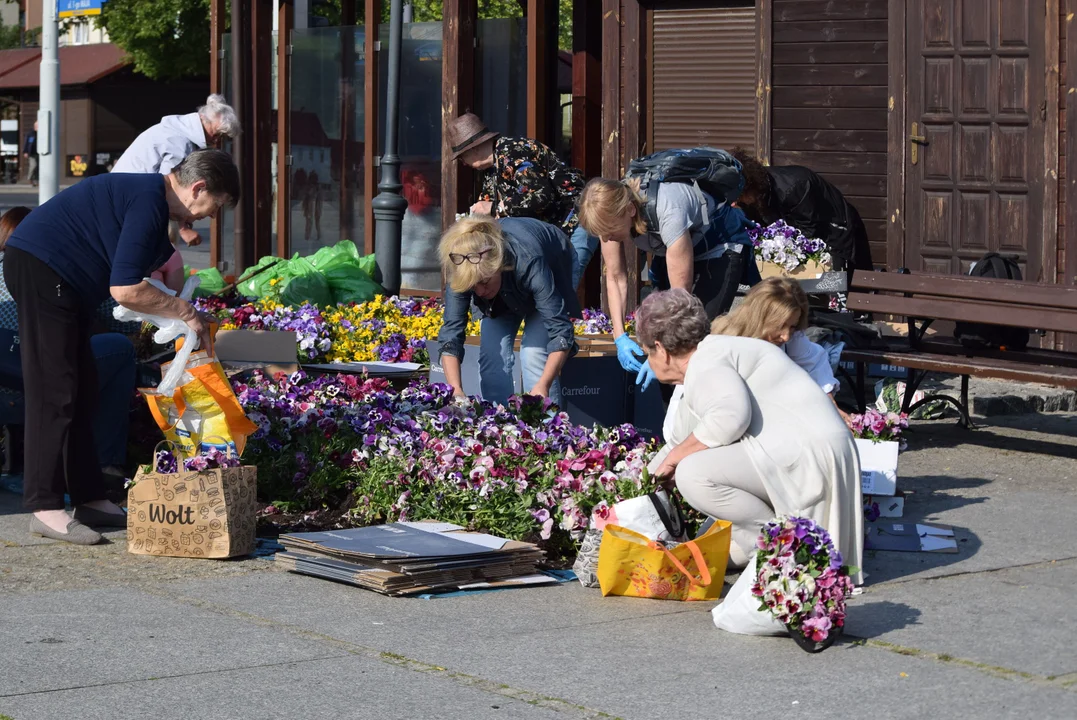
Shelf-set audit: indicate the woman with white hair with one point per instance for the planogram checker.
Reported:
(514, 270)
(754, 436)
(164, 146)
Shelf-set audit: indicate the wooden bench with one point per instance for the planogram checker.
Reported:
(924, 298)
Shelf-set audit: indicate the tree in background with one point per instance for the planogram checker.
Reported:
(169, 39)
(166, 39)
(430, 11)
(10, 36)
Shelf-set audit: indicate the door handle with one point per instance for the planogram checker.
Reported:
(916, 141)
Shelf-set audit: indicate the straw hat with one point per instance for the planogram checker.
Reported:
(466, 132)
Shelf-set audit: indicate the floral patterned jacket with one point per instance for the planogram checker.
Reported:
(529, 180)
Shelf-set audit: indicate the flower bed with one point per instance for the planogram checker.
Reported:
(388, 329)
(361, 453)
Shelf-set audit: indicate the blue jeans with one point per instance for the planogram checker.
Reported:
(115, 357)
(585, 246)
(496, 356)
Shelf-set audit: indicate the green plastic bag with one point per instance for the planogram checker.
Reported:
(257, 284)
(349, 276)
(212, 282)
(302, 282)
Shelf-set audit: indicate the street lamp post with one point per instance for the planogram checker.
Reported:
(48, 115)
(389, 205)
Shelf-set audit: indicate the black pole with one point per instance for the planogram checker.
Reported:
(244, 210)
(389, 205)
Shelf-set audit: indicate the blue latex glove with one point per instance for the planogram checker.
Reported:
(627, 350)
(643, 379)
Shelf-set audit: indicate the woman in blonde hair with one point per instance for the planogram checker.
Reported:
(514, 270)
(700, 245)
(776, 310)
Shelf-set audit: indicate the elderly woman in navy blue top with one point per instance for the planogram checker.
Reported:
(101, 237)
(514, 270)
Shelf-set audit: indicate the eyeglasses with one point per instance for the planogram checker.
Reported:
(474, 258)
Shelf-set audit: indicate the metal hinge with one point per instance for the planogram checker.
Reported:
(377, 46)
(289, 49)
(288, 160)
(220, 53)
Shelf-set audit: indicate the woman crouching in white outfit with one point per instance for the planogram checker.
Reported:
(775, 310)
(753, 436)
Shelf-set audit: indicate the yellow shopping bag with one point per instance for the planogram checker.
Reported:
(630, 564)
(203, 413)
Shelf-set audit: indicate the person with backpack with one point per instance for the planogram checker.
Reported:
(803, 199)
(677, 205)
(522, 177)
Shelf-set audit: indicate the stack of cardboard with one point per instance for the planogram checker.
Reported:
(410, 558)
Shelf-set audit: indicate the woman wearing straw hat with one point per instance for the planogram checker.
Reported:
(522, 178)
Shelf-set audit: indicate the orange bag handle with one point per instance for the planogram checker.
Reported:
(704, 572)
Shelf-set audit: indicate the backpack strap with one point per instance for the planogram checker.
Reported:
(650, 209)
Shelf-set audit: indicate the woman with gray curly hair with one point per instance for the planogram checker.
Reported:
(754, 436)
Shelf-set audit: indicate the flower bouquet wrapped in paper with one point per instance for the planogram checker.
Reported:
(801, 581)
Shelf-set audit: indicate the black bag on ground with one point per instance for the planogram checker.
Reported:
(716, 172)
(981, 335)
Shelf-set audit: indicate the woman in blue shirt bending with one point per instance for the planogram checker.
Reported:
(514, 270)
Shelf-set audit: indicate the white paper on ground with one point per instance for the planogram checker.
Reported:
(934, 542)
(487, 541)
(437, 527)
(447, 529)
(537, 579)
(923, 530)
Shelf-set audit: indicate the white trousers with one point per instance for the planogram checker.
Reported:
(722, 483)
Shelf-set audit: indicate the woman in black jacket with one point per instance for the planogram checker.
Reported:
(809, 203)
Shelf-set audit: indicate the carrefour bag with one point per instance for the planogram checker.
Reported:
(632, 565)
(203, 412)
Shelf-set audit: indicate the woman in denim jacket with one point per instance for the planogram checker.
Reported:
(514, 270)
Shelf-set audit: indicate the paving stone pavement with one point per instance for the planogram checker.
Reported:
(989, 632)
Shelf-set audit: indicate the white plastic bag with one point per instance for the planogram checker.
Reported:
(739, 613)
(642, 514)
(168, 330)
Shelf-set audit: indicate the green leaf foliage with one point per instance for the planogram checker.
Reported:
(166, 39)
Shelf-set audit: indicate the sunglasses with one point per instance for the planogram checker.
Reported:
(474, 258)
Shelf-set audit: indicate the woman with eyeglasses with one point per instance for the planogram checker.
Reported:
(513, 270)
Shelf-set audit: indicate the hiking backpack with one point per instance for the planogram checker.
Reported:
(713, 171)
(994, 337)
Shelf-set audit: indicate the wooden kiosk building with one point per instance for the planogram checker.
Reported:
(944, 121)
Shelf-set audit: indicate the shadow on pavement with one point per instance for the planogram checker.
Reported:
(872, 619)
(945, 435)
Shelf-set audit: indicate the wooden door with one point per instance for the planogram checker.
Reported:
(975, 90)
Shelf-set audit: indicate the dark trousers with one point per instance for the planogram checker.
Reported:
(715, 282)
(60, 386)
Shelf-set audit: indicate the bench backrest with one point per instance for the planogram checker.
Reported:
(966, 299)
